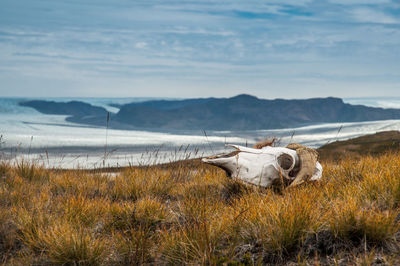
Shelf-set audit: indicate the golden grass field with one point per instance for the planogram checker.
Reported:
(191, 213)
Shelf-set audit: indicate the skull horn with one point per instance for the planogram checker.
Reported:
(308, 158)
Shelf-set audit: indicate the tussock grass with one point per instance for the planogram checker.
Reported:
(135, 246)
(136, 183)
(30, 171)
(193, 214)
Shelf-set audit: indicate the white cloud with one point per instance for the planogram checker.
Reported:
(360, 2)
(369, 15)
(202, 31)
(141, 45)
(185, 47)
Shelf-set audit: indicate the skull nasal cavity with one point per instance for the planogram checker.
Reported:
(285, 161)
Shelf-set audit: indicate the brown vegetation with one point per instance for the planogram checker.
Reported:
(374, 144)
(193, 214)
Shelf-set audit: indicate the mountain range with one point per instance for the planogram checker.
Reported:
(242, 112)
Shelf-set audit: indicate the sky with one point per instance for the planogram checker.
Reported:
(200, 48)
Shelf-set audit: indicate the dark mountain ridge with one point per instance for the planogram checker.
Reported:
(242, 112)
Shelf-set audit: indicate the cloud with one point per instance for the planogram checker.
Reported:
(369, 15)
(360, 2)
(141, 45)
(198, 48)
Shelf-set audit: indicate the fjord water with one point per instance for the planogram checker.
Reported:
(54, 142)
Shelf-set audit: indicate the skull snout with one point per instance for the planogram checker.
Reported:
(226, 163)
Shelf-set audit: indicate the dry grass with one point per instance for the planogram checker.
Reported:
(193, 214)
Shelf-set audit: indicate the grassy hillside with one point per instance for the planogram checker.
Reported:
(194, 214)
(374, 144)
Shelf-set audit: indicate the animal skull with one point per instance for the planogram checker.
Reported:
(265, 166)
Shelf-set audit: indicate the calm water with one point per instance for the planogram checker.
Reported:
(52, 141)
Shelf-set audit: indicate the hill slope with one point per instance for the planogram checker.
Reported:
(242, 112)
(195, 215)
(374, 144)
(77, 111)
(248, 112)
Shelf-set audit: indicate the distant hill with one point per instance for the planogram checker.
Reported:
(73, 108)
(246, 112)
(242, 112)
(374, 144)
(76, 111)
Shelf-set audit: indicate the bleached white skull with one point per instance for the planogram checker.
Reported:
(263, 167)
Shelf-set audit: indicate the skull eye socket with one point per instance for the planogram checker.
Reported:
(285, 161)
